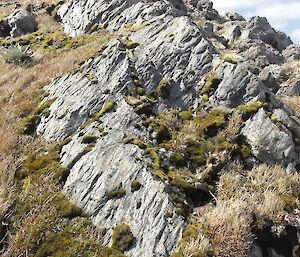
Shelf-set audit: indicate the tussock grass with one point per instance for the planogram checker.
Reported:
(260, 197)
(20, 92)
(293, 102)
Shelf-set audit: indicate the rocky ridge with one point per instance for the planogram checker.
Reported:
(168, 55)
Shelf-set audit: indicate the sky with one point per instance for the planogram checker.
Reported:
(283, 15)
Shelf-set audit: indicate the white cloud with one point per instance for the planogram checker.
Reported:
(282, 14)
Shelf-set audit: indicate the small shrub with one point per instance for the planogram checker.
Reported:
(89, 139)
(116, 194)
(252, 107)
(122, 237)
(17, 55)
(135, 185)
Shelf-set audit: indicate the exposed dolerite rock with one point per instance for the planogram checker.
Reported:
(111, 167)
(238, 86)
(21, 22)
(164, 59)
(260, 28)
(269, 143)
(109, 78)
(292, 53)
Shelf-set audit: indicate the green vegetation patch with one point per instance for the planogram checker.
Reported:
(122, 237)
(135, 185)
(116, 194)
(252, 107)
(53, 225)
(211, 83)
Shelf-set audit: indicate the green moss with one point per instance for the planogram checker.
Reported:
(211, 83)
(197, 151)
(65, 142)
(105, 109)
(135, 141)
(179, 181)
(95, 28)
(88, 148)
(72, 240)
(186, 115)
(92, 78)
(231, 58)
(43, 106)
(116, 194)
(129, 44)
(140, 90)
(216, 117)
(89, 139)
(178, 159)
(135, 185)
(252, 107)
(29, 124)
(163, 133)
(162, 88)
(122, 237)
(245, 151)
(65, 208)
(153, 154)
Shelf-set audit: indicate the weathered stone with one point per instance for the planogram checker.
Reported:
(238, 86)
(21, 22)
(260, 28)
(234, 17)
(269, 143)
(290, 89)
(292, 53)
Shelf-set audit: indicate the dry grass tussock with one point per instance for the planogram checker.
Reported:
(20, 92)
(19, 89)
(267, 193)
(293, 102)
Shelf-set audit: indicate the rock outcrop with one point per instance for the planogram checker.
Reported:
(163, 51)
(20, 22)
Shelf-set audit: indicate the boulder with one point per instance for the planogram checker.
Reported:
(21, 22)
(260, 28)
(232, 16)
(292, 53)
(269, 143)
(238, 86)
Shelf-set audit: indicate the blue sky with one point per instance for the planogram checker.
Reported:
(283, 15)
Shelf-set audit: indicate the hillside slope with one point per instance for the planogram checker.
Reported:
(185, 127)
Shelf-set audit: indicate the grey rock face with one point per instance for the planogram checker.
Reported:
(79, 18)
(259, 28)
(290, 90)
(183, 59)
(238, 86)
(292, 53)
(234, 17)
(111, 165)
(167, 46)
(262, 54)
(21, 22)
(269, 143)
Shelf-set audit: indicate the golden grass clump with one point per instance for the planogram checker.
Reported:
(260, 197)
(293, 102)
